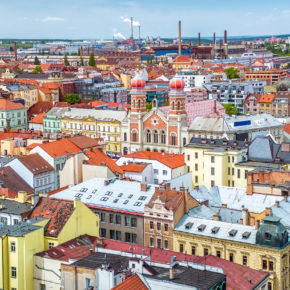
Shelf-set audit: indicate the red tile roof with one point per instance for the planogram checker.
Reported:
(77, 248)
(169, 159)
(8, 105)
(60, 148)
(35, 163)
(287, 128)
(97, 157)
(133, 167)
(238, 276)
(31, 146)
(57, 190)
(57, 210)
(132, 283)
(267, 98)
(39, 107)
(182, 58)
(85, 142)
(38, 119)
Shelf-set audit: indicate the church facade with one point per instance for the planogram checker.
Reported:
(153, 131)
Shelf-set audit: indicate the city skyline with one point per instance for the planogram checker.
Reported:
(102, 18)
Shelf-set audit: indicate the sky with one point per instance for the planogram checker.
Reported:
(100, 19)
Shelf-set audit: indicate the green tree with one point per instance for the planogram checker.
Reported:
(232, 73)
(36, 61)
(37, 70)
(82, 61)
(66, 63)
(230, 109)
(72, 99)
(149, 106)
(92, 61)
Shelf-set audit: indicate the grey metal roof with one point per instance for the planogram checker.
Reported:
(18, 230)
(14, 207)
(223, 232)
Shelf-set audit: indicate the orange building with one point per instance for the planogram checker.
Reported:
(265, 103)
(271, 76)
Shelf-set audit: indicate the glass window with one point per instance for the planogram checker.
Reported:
(212, 171)
(13, 247)
(103, 233)
(50, 245)
(166, 244)
(158, 226)
(264, 264)
(181, 248)
(212, 159)
(13, 272)
(196, 167)
(118, 236)
(231, 257)
(112, 234)
(151, 242)
(156, 171)
(159, 243)
(166, 227)
(164, 172)
(245, 260)
(133, 222)
(271, 266)
(218, 254)
(127, 221)
(196, 155)
(193, 250)
(205, 252)
(118, 219)
(103, 217)
(127, 237)
(151, 225)
(111, 218)
(134, 238)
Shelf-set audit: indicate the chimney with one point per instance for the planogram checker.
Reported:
(277, 203)
(224, 205)
(15, 51)
(171, 276)
(198, 42)
(143, 187)
(167, 186)
(81, 52)
(268, 211)
(221, 44)
(285, 198)
(106, 182)
(179, 38)
(257, 224)
(139, 27)
(214, 39)
(216, 217)
(225, 37)
(132, 36)
(245, 216)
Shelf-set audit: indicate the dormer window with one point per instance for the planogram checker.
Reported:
(268, 236)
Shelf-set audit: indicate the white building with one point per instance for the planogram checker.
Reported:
(165, 166)
(37, 172)
(193, 79)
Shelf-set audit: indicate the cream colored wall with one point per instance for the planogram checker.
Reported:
(90, 171)
(254, 253)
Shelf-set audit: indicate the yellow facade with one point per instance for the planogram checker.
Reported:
(17, 248)
(126, 80)
(89, 126)
(111, 132)
(17, 251)
(255, 254)
(29, 95)
(216, 167)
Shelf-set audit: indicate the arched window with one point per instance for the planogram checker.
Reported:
(173, 106)
(139, 104)
(155, 136)
(125, 136)
(134, 136)
(178, 106)
(163, 137)
(134, 103)
(148, 136)
(173, 139)
(184, 141)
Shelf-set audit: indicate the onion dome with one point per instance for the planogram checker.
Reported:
(177, 83)
(138, 82)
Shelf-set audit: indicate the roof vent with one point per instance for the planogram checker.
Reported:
(232, 233)
(214, 230)
(188, 226)
(201, 228)
(245, 235)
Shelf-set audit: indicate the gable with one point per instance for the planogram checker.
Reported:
(154, 122)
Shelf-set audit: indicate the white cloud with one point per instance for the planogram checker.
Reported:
(53, 19)
(128, 20)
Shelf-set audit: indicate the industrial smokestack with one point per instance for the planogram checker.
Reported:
(132, 36)
(214, 39)
(199, 39)
(179, 38)
(226, 37)
(82, 51)
(15, 51)
(221, 44)
(139, 27)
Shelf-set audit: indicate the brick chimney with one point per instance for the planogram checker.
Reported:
(257, 224)
(171, 275)
(277, 203)
(144, 187)
(216, 217)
